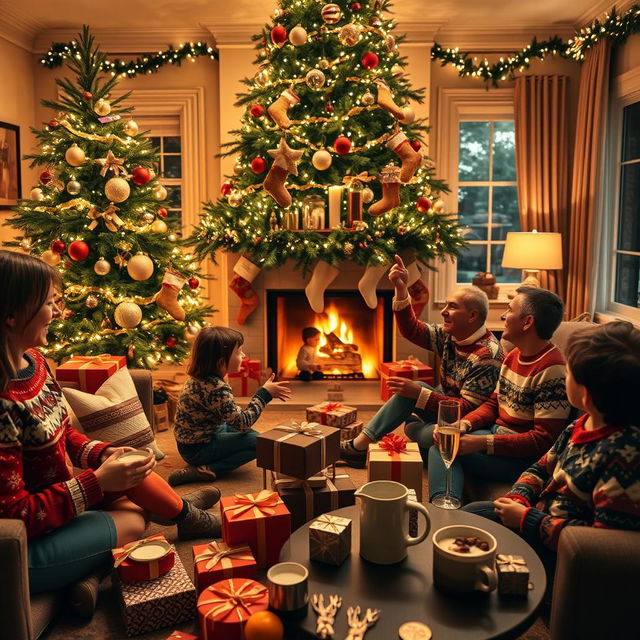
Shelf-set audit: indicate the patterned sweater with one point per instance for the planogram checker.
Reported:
(469, 368)
(587, 479)
(529, 404)
(35, 483)
(205, 405)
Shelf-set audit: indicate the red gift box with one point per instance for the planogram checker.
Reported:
(89, 373)
(224, 608)
(181, 635)
(410, 368)
(131, 570)
(260, 520)
(249, 370)
(217, 560)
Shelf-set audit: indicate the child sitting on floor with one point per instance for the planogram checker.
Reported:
(309, 369)
(214, 435)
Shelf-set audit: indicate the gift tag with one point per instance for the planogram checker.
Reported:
(414, 631)
(150, 551)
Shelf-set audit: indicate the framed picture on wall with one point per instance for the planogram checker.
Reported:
(10, 186)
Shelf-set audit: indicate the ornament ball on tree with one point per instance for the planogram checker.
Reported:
(53, 123)
(140, 176)
(278, 35)
(258, 165)
(171, 342)
(342, 145)
(78, 250)
(423, 204)
(415, 145)
(370, 60)
(87, 95)
(162, 212)
(226, 188)
(256, 110)
(194, 283)
(46, 177)
(57, 246)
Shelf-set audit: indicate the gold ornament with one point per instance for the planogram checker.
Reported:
(73, 187)
(102, 267)
(91, 302)
(315, 79)
(348, 248)
(131, 128)
(298, 35)
(390, 44)
(117, 189)
(324, 64)
(286, 157)
(140, 267)
(321, 160)
(148, 218)
(52, 259)
(159, 192)
(368, 98)
(367, 195)
(397, 71)
(159, 226)
(75, 156)
(262, 77)
(36, 194)
(237, 167)
(128, 315)
(172, 237)
(106, 323)
(439, 207)
(25, 245)
(125, 246)
(235, 199)
(110, 162)
(349, 35)
(191, 332)
(102, 107)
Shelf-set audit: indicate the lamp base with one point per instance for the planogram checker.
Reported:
(531, 279)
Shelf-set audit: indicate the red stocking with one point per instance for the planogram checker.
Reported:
(249, 300)
(419, 296)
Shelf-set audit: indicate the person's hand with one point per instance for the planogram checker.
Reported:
(510, 512)
(115, 474)
(403, 387)
(110, 450)
(278, 390)
(399, 277)
(471, 444)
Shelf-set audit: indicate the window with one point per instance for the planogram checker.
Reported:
(487, 197)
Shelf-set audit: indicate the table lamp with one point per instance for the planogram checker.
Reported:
(532, 251)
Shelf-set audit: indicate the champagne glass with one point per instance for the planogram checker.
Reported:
(448, 442)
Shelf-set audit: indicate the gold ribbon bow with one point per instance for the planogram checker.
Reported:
(264, 502)
(332, 523)
(302, 428)
(361, 177)
(111, 162)
(123, 553)
(220, 551)
(227, 599)
(111, 219)
(511, 562)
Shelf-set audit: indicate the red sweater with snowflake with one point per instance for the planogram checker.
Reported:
(36, 485)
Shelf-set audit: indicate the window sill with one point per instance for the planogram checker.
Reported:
(602, 317)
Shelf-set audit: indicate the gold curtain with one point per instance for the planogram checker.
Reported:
(542, 161)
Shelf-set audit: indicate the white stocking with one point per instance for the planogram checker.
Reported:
(369, 282)
(414, 273)
(323, 275)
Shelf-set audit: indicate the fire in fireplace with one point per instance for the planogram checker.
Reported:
(354, 339)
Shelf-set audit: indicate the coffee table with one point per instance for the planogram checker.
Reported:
(405, 592)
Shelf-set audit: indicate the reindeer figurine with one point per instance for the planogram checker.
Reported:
(358, 627)
(326, 614)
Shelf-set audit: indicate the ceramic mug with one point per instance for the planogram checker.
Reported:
(473, 570)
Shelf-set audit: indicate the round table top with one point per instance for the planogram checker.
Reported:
(405, 592)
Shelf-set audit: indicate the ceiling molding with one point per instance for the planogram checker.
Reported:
(19, 30)
(234, 34)
(599, 8)
(417, 31)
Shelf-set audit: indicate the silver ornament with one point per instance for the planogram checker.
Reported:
(368, 98)
(315, 79)
(73, 187)
(148, 218)
(102, 267)
(36, 194)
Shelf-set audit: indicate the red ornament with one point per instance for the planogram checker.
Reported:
(257, 240)
(53, 123)
(356, 6)
(171, 342)
(258, 165)
(342, 145)
(363, 245)
(46, 177)
(57, 246)
(194, 283)
(415, 145)
(256, 110)
(162, 212)
(140, 176)
(423, 204)
(278, 34)
(87, 95)
(370, 60)
(328, 107)
(226, 188)
(78, 250)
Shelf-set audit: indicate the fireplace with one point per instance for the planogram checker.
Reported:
(354, 339)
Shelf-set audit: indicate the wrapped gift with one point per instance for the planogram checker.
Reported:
(306, 502)
(351, 430)
(513, 575)
(413, 515)
(246, 381)
(224, 607)
(160, 417)
(333, 414)
(260, 520)
(181, 635)
(393, 458)
(216, 561)
(144, 559)
(330, 539)
(158, 603)
(410, 368)
(89, 373)
(283, 481)
(298, 450)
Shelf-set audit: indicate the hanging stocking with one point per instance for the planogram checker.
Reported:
(411, 159)
(285, 161)
(369, 282)
(323, 275)
(417, 289)
(385, 100)
(167, 298)
(390, 179)
(246, 272)
(278, 110)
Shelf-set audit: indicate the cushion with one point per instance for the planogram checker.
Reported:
(114, 413)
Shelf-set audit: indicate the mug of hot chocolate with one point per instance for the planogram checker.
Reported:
(136, 454)
(464, 559)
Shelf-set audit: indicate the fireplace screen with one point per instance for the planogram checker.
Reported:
(354, 339)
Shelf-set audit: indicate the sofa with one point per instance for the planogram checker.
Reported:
(24, 617)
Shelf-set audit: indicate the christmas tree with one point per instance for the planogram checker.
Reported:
(98, 217)
(329, 157)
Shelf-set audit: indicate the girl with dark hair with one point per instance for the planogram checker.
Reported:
(214, 435)
(72, 522)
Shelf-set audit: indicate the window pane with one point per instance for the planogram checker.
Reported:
(628, 280)
(155, 142)
(629, 231)
(172, 144)
(473, 160)
(175, 197)
(472, 259)
(172, 167)
(504, 151)
(505, 212)
(473, 207)
(502, 274)
(175, 218)
(631, 132)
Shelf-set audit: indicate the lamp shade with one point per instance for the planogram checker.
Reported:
(532, 251)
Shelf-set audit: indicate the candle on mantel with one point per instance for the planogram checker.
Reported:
(335, 202)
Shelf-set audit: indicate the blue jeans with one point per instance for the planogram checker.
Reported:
(500, 468)
(227, 450)
(393, 413)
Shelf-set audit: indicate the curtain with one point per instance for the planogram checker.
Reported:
(542, 161)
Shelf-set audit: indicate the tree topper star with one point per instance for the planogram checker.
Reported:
(286, 157)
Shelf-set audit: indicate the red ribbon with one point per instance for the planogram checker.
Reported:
(393, 443)
(331, 406)
(248, 369)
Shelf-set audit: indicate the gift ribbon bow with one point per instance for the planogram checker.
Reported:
(264, 502)
(412, 364)
(508, 561)
(109, 215)
(361, 177)
(102, 358)
(228, 598)
(122, 553)
(332, 523)
(220, 551)
(110, 162)
(330, 406)
(393, 443)
(302, 428)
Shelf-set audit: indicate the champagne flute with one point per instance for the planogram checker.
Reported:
(448, 442)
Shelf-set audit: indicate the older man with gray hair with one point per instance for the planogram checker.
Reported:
(470, 355)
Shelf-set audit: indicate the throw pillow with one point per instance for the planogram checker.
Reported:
(114, 413)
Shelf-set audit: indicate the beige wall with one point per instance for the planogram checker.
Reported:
(627, 57)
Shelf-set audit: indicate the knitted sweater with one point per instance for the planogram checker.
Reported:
(468, 369)
(587, 479)
(205, 405)
(529, 404)
(35, 484)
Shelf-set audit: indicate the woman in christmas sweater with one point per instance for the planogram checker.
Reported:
(72, 522)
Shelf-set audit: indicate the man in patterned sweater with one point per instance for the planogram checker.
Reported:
(529, 408)
(591, 475)
(470, 362)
